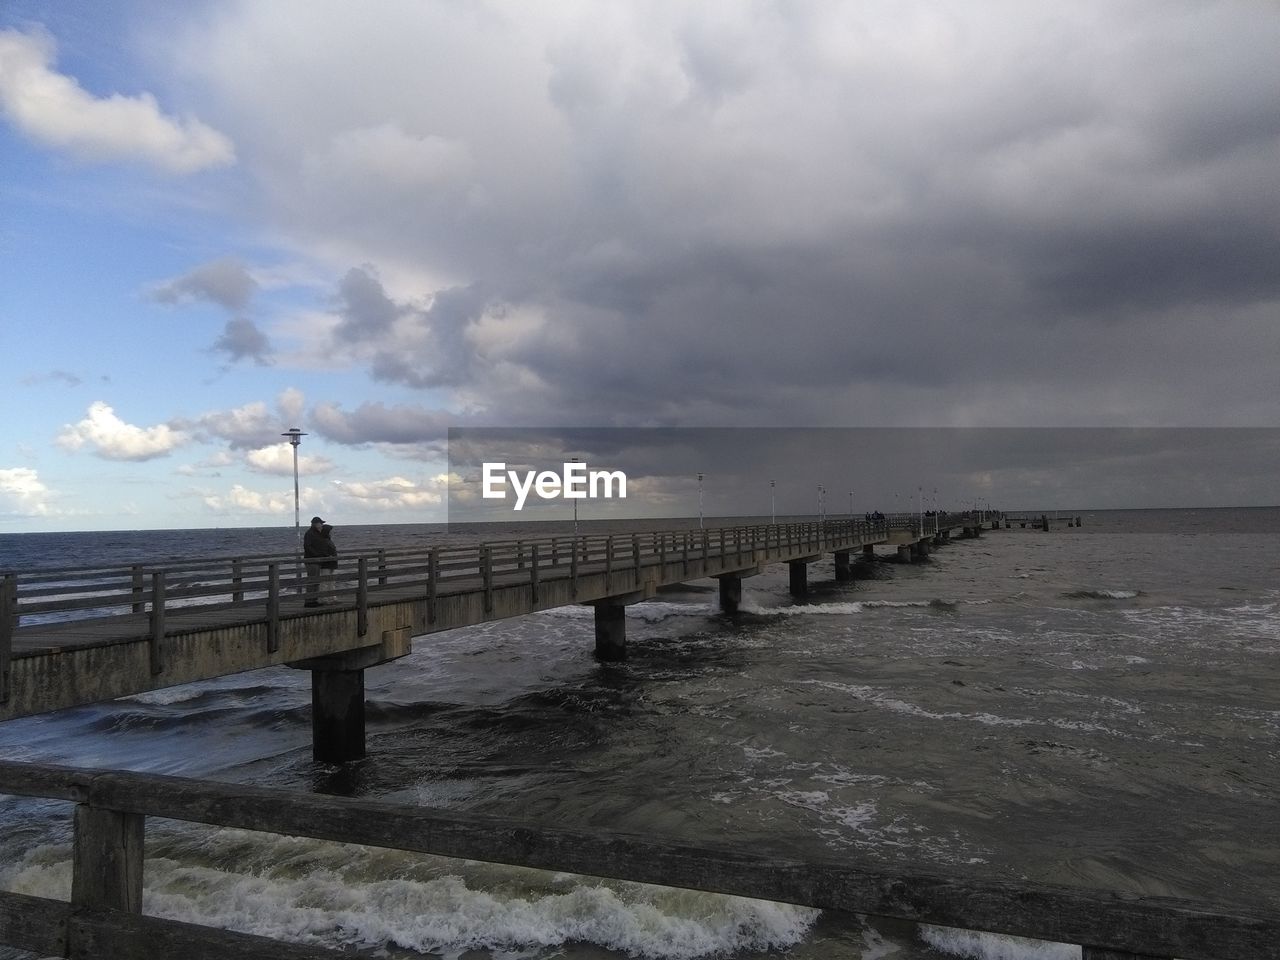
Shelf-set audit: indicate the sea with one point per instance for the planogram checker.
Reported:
(1095, 706)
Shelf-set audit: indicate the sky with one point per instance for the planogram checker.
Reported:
(380, 221)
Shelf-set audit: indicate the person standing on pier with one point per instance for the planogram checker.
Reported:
(320, 554)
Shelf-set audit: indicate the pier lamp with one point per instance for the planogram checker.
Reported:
(773, 502)
(295, 437)
(850, 504)
(700, 501)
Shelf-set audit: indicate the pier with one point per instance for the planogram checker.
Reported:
(76, 636)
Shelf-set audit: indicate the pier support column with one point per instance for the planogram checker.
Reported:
(868, 552)
(904, 553)
(799, 577)
(337, 715)
(611, 632)
(921, 549)
(730, 592)
(844, 571)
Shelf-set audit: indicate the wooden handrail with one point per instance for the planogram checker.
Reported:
(1107, 924)
(219, 583)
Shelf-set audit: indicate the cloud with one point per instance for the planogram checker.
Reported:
(54, 110)
(278, 460)
(377, 423)
(727, 213)
(53, 376)
(252, 426)
(242, 340)
(113, 439)
(23, 494)
(226, 282)
(241, 500)
(393, 493)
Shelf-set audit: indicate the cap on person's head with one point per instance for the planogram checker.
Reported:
(316, 520)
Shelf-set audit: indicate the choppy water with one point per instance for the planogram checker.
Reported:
(1096, 706)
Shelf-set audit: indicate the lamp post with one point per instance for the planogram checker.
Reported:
(700, 526)
(850, 504)
(295, 437)
(773, 502)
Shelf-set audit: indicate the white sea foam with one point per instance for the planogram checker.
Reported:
(992, 946)
(343, 898)
(1103, 594)
(879, 698)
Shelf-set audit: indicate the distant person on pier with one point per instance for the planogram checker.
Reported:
(321, 555)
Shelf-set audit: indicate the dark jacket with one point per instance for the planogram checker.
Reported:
(318, 545)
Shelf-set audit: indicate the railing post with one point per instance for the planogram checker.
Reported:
(573, 568)
(139, 583)
(106, 871)
(273, 607)
(8, 623)
(555, 551)
(635, 556)
(706, 549)
(433, 574)
(608, 563)
(533, 574)
(486, 574)
(686, 553)
(237, 580)
(157, 621)
(662, 557)
(362, 596)
(382, 567)
(519, 554)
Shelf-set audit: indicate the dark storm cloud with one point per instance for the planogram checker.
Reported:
(225, 282)
(891, 469)
(917, 213)
(242, 340)
(366, 310)
(378, 423)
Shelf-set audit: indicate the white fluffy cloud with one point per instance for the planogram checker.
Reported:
(23, 494)
(240, 499)
(53, 109)
(394, 493)
(113, 439)
(278, 460)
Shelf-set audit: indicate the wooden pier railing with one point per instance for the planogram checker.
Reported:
(103, 917)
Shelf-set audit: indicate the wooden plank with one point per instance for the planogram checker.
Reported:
(52, 781)
(1152, 926)
(107, 859)
(157, 622)
(36, 924)
(8, 623)
(273, 608)
(95, 934)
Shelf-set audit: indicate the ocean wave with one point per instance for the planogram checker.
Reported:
(994, 946)
(352, 897)
(855, 607)
(1102, 594)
